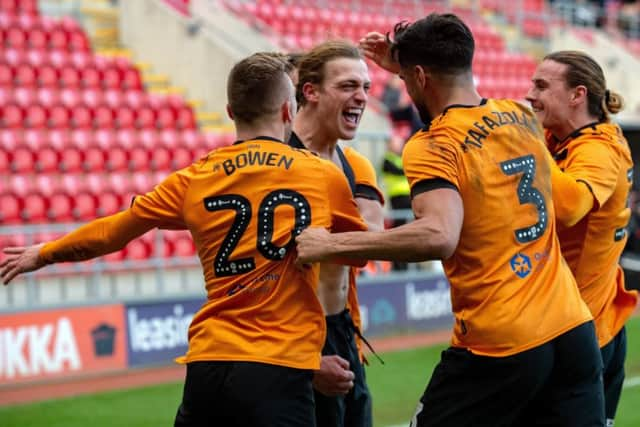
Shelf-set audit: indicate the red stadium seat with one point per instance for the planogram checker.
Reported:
(93, 98)
(135, 99)
(35, 139)
(186, 119)
(91, 77)
(60, 208)
(131, 79)
(38, 38)
(125, 118)
(94, 160)
(22, 160)
(78, 41)
(170, 138)
(127, 138)
(183, 245)
(191, 138)
(103, 117)
(25, 75)
(48, 76)
(10, 139)
(182, 157)
(12, 116)
(11, 209)
(58, 138)
(36, 116)
(47, 160)
(20, 185)
(139, 159)
(47, 184)
(108, 204)
(84, 207)
(71, 97)
(138, 249)
(72, 183)
(71, 160)
(105, 138)
(114, 98)
(59, 117)
(146, 118)
(25, 96)
(69, 77)
(117, 159)
(81, 118)
(16, 38)
(111, 78)
(160, 159)
(81, 138)
(34, 208)
(142, 182)
(48, 97)
(148, 138)
(166, 118)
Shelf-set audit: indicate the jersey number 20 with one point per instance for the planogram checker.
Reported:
(266, 218)
(526, 165)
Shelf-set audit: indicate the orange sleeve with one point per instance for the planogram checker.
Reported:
(97, 238)
(572, 199)
(597, 165)
(344, 210)
(364, 172)
(164, 204)
(426, 157)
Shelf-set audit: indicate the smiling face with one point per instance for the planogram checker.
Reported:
(342, 96)
(549, 96)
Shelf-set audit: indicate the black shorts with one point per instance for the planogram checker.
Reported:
(354, 409)
(558, 383)
(613, 356)
(246, 394)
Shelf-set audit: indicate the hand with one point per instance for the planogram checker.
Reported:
(376, 47)
(334, 377)
(21, 259)
(313, 245)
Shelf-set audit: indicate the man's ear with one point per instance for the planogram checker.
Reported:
(422, 76)
(579, 95)
(310, 92)
(287, 112)
(229, 113)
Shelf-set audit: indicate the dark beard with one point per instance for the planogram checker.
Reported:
(423, 113)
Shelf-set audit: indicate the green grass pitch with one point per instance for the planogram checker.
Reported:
(395, 386)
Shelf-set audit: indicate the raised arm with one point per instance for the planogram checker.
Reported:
(97, 238)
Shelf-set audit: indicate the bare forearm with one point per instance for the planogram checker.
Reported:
(412, 242)
(97, 238)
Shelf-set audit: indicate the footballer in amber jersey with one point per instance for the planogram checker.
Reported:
(599, 156)
(507, 275)
(244, 204)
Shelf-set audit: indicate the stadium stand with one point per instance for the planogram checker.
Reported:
(79, 134)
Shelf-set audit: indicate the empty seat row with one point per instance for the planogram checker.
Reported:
(82, 139)
(62, 58)
(40, 38)
(90, 97)
(95, 159)
(69, 77)
(36, 116)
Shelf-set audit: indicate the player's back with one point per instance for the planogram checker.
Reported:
(506, 274)
(244, 204)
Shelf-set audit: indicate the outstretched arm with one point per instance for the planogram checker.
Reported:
(433, 235)
(97, 238)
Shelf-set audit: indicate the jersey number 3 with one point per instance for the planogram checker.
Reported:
(266, 218)
(527, 194)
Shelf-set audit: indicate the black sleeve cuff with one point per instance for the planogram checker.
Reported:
(368, 192)
(430, 184)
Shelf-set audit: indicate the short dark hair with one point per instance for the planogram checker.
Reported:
(441, 42)
(311, 68)
(257, 86)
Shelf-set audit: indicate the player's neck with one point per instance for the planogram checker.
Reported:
(573, 123)
(247, 133)
(310, 131)
(458, 92)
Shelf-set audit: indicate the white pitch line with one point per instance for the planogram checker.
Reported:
(631, 382)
